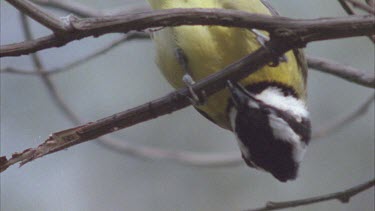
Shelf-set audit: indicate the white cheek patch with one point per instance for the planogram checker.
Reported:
(273, 96)
(282, 131)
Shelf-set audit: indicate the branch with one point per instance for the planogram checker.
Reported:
(344, 120)
(362, 6)
(350, 11)
(84, 11)
(342, 196)
(72, 7)
(165, 105)
(38, 15)
(364, 78)
(281, 42)
(81, 28)
(346, 72)
(222, 159)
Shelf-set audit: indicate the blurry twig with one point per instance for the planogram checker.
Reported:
(204, 159)
(346, 72)
(343, 71)
(127, 37)
(83, 10)
(346, 7)
(39, 68)
(72, 7)
(350, 11)
(342, 196)
(340, 122)
(38, 15)
(362, 6)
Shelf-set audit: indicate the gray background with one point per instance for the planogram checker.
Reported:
(89, 177)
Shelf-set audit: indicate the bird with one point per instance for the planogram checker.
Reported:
(267, 111)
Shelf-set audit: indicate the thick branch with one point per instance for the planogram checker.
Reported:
(81, 28)
(343, 196)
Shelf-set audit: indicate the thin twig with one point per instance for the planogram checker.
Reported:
(39, 68)
(204, 159)
(346, 72)
(362, 6)
(82, 10)
(39, 15)
(72, 7)
(13, 70)
(364, 78)
(342, 196)
(128, 37)
(350, 11)
(341, 122)
(80, 28)
(346, 7)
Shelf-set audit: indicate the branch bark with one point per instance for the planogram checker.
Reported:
(342, 196)
(282, 40)
(81, 28)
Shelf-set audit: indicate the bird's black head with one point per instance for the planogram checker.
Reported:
(272, 137)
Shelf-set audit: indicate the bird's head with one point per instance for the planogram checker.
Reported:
(272, 129)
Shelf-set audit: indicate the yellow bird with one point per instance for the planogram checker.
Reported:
(267, 110)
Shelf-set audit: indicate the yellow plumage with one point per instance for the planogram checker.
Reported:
(209, 49)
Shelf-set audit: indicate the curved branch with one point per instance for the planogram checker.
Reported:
(80, 28)
(342, 196)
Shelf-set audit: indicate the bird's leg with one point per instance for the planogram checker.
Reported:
(188, 79)
(262, 39)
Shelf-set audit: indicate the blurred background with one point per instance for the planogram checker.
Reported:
(91, 177)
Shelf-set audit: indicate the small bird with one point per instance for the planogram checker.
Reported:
(266, 111)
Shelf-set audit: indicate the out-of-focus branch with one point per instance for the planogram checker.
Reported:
(82, 10)
(39, 68)
(346, 72)
(340, 122)
(346, 7)
(72, 7)
(364, 78)
(38, 15)
(342, 196)
(128, 37)
(362, 6)
(350, 11)
(80, 28)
